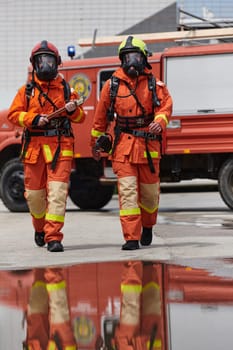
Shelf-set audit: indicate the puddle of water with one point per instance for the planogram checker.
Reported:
(182, 304)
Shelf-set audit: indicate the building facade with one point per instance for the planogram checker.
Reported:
(23, 23)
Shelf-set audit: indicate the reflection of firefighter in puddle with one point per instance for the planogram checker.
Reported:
(140, 325)
(48, 316)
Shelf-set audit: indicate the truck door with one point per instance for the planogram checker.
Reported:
(201, 85)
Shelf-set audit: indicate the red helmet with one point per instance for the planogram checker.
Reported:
(47, 48)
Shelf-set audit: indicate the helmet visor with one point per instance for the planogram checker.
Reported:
(136, 57)
(43, 60)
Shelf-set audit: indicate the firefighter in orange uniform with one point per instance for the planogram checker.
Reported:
(48, 315)
(141, 107)
(141, 319)
(47, 150)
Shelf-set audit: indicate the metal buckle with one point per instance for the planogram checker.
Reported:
(151, 136)
(64, 132)
(140, 121)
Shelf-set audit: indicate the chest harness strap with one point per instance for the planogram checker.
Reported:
(124, 124)
(66, 131)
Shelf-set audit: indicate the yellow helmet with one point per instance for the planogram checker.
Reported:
(133, 44)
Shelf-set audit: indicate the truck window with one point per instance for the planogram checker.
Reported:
(102, 77)
(200, 84)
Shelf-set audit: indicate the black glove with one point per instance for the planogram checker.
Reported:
(36, 120)
(104, 143)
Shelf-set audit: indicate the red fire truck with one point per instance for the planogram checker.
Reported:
(198, 143)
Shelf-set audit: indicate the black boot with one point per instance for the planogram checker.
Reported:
(146, 237)
(130, 245)
(39, 239)
(55, 246)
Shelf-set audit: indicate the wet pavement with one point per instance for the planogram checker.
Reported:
(190, 225)
(187, 274)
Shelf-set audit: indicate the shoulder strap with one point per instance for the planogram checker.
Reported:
(152, 87)
(114, 85)
(67, 91)
(28, 92)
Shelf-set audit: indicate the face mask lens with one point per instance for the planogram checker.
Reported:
(133, 57)
(133, 63)
(44, 60)
(46, 66)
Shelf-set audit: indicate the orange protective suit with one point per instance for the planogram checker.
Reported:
(141, 317)
(138, 186)
(46, 189)
(48, 314)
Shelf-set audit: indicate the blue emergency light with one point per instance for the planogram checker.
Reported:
(71, 51)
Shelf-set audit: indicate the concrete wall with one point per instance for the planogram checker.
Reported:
(23, 23)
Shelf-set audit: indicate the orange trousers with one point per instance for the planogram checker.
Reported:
(138, 192)
(48, 318)
(46, 194)
(141, 315)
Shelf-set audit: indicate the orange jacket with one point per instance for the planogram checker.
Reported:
(22, 114)
(126, 106)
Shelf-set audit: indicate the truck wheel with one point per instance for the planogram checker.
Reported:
(89, 194)
(225, 182)
(12, 186)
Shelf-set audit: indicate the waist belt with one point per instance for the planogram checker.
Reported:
(142, 133)
(134, 122)
(50, 132)
(138, 133)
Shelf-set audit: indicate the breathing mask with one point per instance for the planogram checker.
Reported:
(46, 66)
(133, 63)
